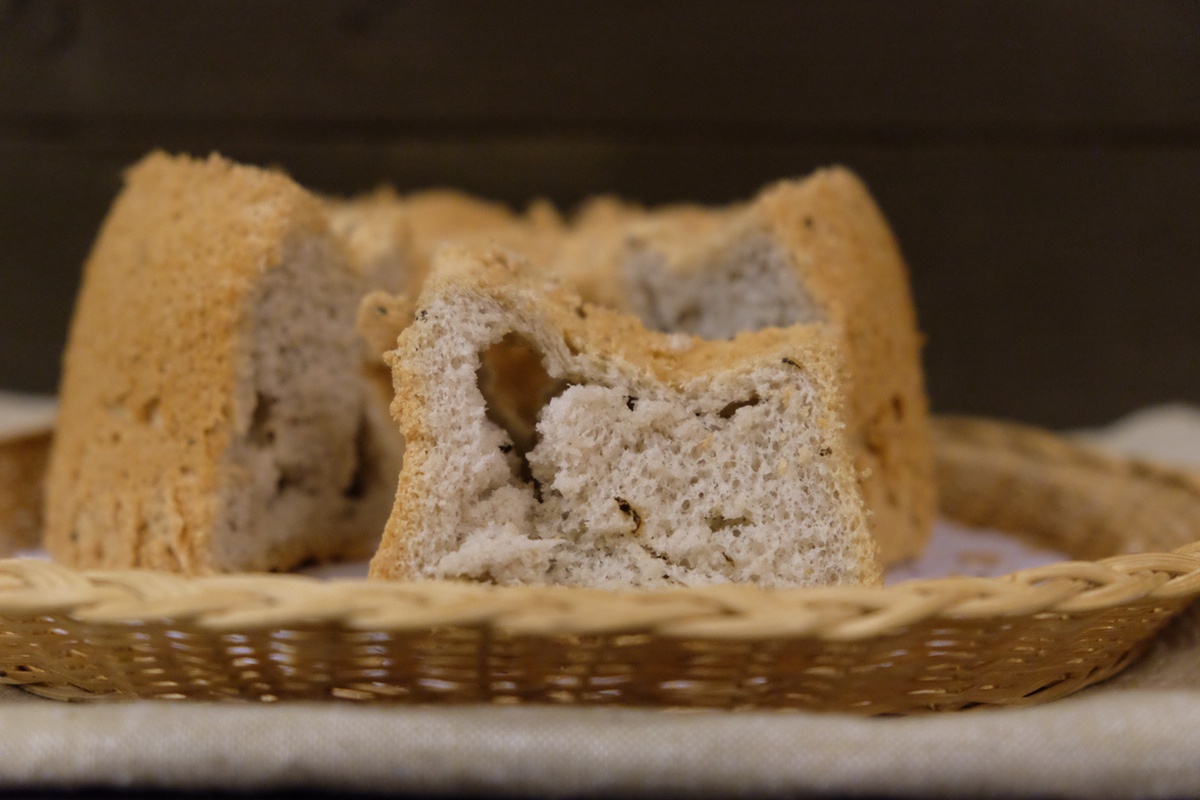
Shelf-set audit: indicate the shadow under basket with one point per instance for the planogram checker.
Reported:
(929, 645)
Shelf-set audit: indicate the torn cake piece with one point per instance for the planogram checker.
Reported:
(552, 441)
(804, 251)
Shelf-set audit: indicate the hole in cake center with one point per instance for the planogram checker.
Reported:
(715, 291)
(516, 387)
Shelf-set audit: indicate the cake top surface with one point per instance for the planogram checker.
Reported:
(612, 335)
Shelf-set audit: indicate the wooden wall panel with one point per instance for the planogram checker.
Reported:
(1014, 67)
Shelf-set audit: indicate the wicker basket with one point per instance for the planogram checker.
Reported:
(941, 644)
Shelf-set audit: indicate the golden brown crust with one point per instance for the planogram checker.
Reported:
(22, 470)
(377, 233)
(439, 217)
(381, 319)
(856, 272)
(156, 358)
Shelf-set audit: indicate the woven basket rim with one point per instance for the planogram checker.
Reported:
(728, 611)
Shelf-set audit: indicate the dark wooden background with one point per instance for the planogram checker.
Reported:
(1039, 159)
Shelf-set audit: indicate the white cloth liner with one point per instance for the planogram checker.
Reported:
(23, 414)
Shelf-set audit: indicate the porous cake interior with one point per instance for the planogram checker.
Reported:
(584, 473)
(744, 283)
(308, 476)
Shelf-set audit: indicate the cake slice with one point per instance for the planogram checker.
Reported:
(214, 414)
(803, 251)
(813, 250)
(551, 441)
(392, 237)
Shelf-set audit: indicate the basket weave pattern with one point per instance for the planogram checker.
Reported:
(925, 645)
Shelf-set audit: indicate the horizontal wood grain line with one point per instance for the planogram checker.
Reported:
(101, 130)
